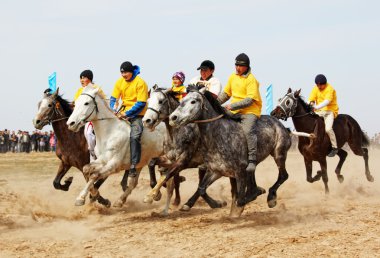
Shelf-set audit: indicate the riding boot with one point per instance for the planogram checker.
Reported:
(333, 152)
(132, 171)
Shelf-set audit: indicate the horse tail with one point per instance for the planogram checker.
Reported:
(356, 130)
(365, 140)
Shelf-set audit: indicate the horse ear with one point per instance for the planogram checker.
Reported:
(297, 93)
(55, 94)
(289, 90)
(155, 87)
(167, 91)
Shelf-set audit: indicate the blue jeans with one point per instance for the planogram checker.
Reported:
(135, 140)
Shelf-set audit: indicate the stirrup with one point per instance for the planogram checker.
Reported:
(333, 152)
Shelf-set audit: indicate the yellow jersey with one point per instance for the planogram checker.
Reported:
(131, 92)
(80, 90)
(328, 93)
(241, 87)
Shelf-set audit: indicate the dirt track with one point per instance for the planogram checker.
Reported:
(37, 220)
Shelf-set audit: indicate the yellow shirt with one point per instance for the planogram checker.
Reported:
(180, 90)
(328, 93)
(80, 90)
(241, 87)
(131, 92)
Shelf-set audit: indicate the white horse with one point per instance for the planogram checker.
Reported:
(112, 142)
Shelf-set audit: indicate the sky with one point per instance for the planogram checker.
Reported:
(288, 42)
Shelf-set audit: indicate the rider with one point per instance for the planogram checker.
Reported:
(207, 78)
(86, 78)
(133, 91)
(324, 101)
(177, 84)
(243, 87)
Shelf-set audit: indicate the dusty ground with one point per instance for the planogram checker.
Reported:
(38, 221)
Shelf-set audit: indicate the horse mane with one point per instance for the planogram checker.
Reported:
(215, 103)
(65, 104)
(305, 105)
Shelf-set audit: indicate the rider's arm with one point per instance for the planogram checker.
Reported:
(223, 97)
(116, 93)
(242, 104)
(322, 104)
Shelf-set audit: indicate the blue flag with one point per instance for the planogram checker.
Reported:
(53, 82)
(269, 99)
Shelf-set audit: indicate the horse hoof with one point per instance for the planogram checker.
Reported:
(176, 201)
(79, 202)
(118, 204)
(158, 197)
(272, 203)
(236, 212)
(370, 178)
(148, 199)
(340, 178)
(261, 190)
(162, 214)
(185, 208)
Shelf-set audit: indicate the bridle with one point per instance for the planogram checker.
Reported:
(48, 119)
(290, 108)
(159, 112)
(203, 106)
(95, 109)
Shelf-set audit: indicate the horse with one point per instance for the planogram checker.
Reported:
(72, 147)
(316, 148)
(182, 148)
(112, 142)
(225, 147)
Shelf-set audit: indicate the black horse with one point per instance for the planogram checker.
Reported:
(316, 148)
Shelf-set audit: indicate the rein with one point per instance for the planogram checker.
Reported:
(209, 120)
(95, 109)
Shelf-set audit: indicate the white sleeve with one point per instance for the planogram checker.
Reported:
(322, 104)
(215, 86)
(194, 80)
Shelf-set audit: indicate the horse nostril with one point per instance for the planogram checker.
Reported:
(174, 118)
(148, 121)
(38, 121)
(72, 123)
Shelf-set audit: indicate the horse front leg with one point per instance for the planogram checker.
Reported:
(342, 154)
(132, 183)
(62, 170)
(309, 170)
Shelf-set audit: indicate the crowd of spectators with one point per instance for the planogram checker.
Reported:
(24, 141)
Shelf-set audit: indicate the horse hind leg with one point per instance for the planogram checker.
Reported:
(323, 173)
(342, 154)
(367, 172)
(170, 185)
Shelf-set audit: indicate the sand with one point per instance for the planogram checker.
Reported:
(38, 221)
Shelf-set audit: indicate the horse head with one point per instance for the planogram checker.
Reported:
(286, 105)
(85, 109)
(158, 107)
(191, 107)
(46, 109)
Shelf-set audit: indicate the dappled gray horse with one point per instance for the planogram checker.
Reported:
(225, 147)
(182, 148)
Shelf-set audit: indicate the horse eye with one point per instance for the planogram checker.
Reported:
(160, 102)
(287, 102)
(50, 105)
(86, 104)
(193, 102)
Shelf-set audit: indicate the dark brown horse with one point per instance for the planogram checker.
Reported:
(316, 148)
(72, 147)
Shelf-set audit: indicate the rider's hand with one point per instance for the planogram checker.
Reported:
(228, 106)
